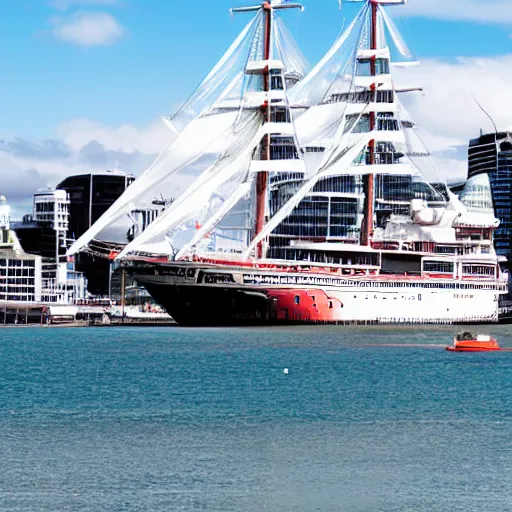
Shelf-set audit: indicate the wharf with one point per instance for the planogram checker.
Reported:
(31, 314)
(22, 313)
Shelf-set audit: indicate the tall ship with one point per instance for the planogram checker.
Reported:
(308, 197)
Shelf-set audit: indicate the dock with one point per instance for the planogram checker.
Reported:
(31, 313)
(21, 313)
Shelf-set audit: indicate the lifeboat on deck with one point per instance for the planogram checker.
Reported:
(467, 342)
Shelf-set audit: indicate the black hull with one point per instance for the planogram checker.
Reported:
(212, 307)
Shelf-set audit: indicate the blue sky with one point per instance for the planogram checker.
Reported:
(84, 82)
(164, 48)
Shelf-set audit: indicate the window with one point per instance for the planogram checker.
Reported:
(387, 122)
(364, 67)
(446, 249)
(362, 126)
(297, 300)
(282, 148)
(382, 67)
(351, 97)
(276, 83)
(279, 115)
(478, 270)
(438, 267)
(385, 97)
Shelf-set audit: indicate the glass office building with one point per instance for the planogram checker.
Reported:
(90, 195)
(492, 154)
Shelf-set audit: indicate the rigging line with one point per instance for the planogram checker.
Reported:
(332, 147)
(336, 138)
(280, 51)
(222, 62)
(440, 175)
(361, 16)
(327, 58)
(340, 119)
(287, 40)
(245, 79)
(353, 61)
(297, 27)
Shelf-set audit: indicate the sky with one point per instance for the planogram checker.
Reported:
(85, 82)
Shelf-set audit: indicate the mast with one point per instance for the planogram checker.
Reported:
(262, 177)
(369, 179)
(267, 68)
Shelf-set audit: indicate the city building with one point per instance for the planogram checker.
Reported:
(20, 273)
(61, 215)
(492, 154)
(44, 234)
(90, 195)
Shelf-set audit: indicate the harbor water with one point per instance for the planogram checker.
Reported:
(172, 419)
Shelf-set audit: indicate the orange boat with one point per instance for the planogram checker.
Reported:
(467, 342)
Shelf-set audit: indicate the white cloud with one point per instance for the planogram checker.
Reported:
(446, 113)
(87, 29)
(63, 5)
(126, 138)
(83, 146)
(485, 11)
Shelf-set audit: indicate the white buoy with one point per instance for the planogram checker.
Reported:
(285, 371)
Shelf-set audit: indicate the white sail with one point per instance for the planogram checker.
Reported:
(213, 132)
(188, 206)
(343, 159)
(238, 194)
(286, 50)
(313, 89)
(225, 74)
(395, 35)
(355, 106)
(335, 125)
(205, 124)
(357, 127)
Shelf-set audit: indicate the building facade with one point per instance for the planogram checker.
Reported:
(492, 154)
(20, 273)
(91, 195)
(44, 234)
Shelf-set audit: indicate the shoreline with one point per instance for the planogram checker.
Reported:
(85, 324)
(371, 326)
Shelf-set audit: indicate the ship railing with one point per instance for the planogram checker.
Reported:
(464, 319)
